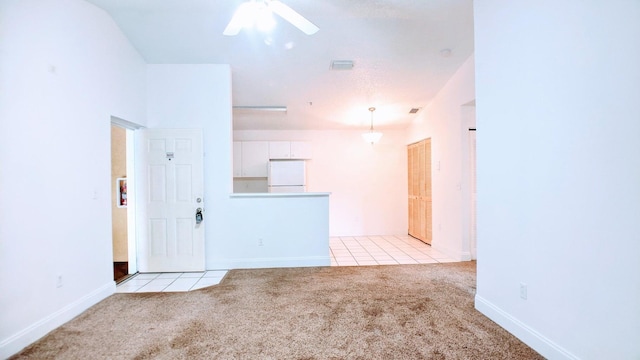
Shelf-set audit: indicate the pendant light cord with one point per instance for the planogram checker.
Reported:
(372, 109)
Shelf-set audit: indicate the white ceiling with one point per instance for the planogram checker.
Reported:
(395, 46)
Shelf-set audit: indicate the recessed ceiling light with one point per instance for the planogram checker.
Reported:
(341, 65)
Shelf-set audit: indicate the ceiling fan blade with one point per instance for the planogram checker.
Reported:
(239, 19)
(293, 17)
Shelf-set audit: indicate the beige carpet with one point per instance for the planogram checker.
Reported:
(373, 312)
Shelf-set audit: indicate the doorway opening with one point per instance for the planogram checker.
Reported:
(468, 180)
(473, 196)
(119, 190)
(123, 227)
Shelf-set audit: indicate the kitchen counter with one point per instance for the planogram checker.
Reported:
(278, 195)
(276, 230)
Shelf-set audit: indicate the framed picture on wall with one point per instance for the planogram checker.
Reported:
(121, 190)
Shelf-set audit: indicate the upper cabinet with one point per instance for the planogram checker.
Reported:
(237, 159)
(289, 150)
(279, 149)
(301, 150)
(250, 158)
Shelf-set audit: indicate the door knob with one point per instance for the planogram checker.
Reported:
(199, 217)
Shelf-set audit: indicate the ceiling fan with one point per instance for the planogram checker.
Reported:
(259, 12)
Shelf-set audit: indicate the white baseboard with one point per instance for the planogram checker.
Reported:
(35, 331)
(257, 263)
(465, 256)
(529, 336)
(455, 254)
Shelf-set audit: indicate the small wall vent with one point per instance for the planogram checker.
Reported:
(341, 65)
(414, 110)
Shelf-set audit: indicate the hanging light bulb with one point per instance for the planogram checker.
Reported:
(372, 136)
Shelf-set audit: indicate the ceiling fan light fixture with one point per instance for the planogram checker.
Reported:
(264, 20)
(242, 18)
(260, 13)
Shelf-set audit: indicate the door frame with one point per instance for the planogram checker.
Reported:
(473, 233)
(468, 180)
(132, 248)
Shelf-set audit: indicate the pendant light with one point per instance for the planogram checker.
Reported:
(372, 136)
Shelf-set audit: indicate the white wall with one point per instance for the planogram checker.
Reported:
(558, 85)
(65, 68)
(199, 96)
(275, 230)
(368, 183)
(446, 121)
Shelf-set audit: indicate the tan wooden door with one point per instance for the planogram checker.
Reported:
(419, 165)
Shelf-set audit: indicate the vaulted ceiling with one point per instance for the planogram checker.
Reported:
(403, 52)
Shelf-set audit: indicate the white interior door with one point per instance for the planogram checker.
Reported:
(170, 193)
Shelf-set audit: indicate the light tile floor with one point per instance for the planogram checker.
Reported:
(345, 251)
(170, 282)
(382, 250)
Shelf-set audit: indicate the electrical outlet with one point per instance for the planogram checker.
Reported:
(523, 291)
(260, 243)
(59, 281)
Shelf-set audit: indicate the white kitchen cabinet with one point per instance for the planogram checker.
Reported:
(237, 159)
(300, 150)
(250, 158)
(289, 150)
(279, 149)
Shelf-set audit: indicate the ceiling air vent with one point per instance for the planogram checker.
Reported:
(341, 65)
(414, 110)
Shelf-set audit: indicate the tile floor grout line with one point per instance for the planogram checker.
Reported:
(370, 254)
(376, 245)
(350, 252)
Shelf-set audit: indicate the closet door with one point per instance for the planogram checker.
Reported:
(413, 185)
(426, 193)
(419, 176)
(410, 188)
